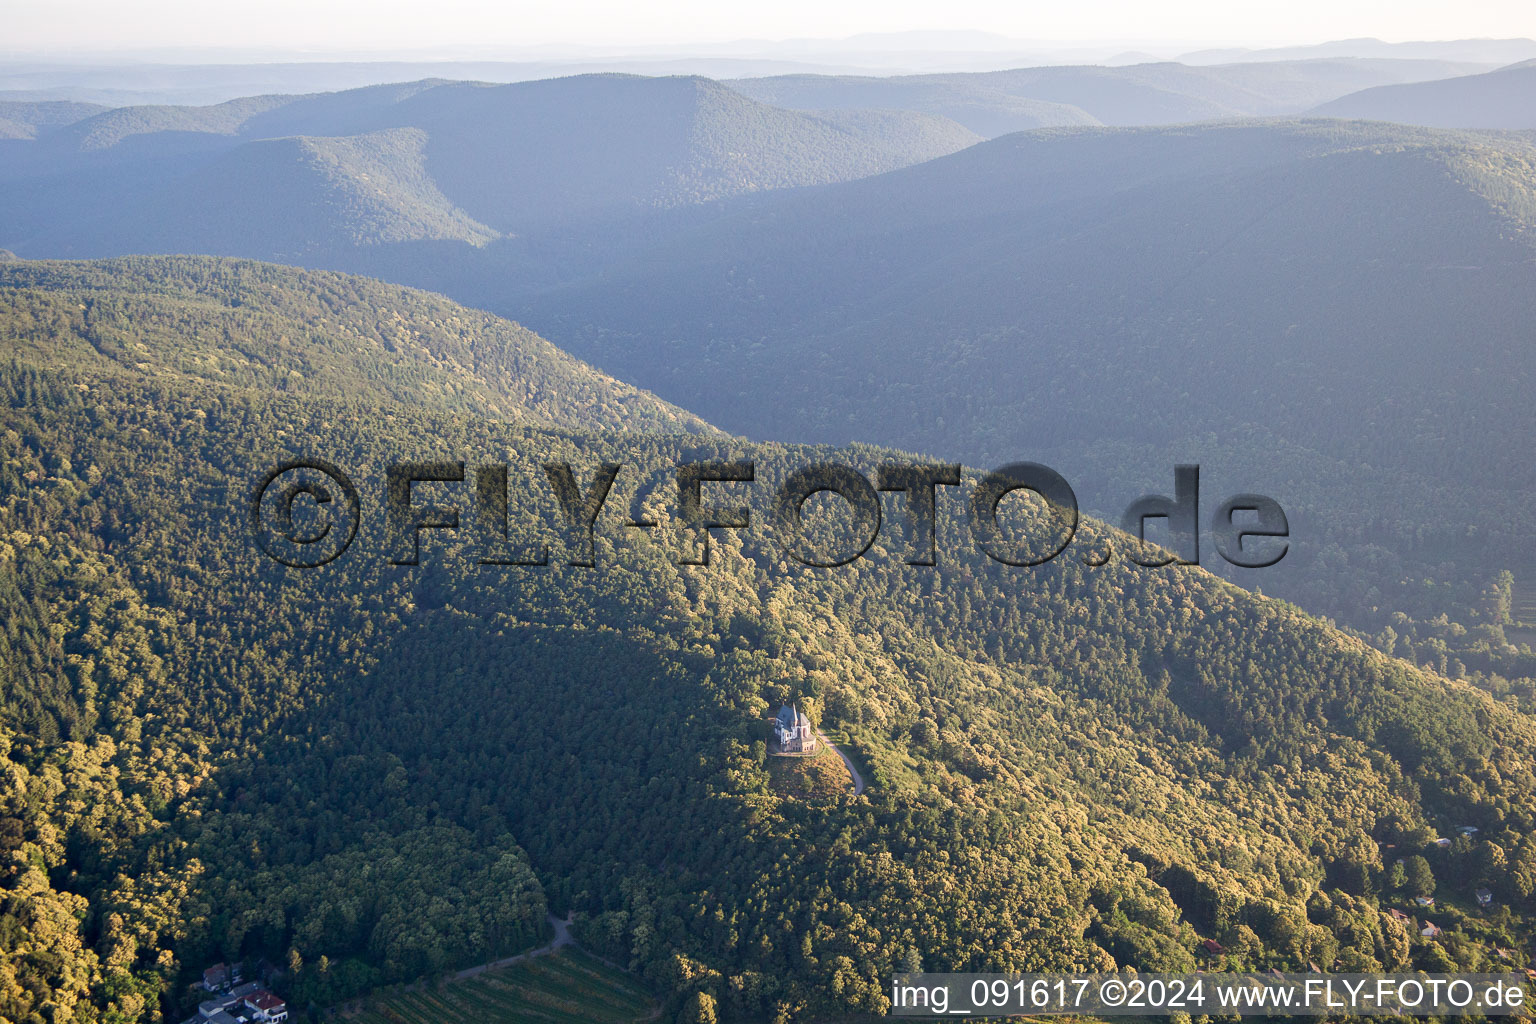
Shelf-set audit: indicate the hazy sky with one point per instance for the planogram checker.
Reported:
(416, 26)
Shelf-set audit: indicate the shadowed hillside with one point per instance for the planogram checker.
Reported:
(1341, 309)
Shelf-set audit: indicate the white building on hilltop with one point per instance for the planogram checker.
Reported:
(792, 731)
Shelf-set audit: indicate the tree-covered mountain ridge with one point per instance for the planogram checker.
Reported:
(212, 757)
(265, 328)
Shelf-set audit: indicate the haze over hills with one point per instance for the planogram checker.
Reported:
(405, 181)
(1503, 99)
(1054, 237)
(411, 164)
(1484, 51)
(375, 773)
(167, 77)
(144, 83)
(995, 103)
(428, 160)
(310, 179)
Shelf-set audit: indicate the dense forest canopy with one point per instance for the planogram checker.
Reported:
(368, 773)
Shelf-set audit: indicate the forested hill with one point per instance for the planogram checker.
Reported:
(245, 326)
(365, 773)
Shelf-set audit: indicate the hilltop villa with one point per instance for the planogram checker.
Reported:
(792, 732)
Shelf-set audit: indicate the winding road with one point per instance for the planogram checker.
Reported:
(853, 773)
(562, 938)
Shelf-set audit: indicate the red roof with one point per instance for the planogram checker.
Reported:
(1212, 946)
(265, 1001)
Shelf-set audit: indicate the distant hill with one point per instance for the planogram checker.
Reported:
(293, 198)
(1503, 99)
(987, 109)
(427, 160)
(28, 118)
(112, 127)
(142, 84)
(520, 157)
(997, 102)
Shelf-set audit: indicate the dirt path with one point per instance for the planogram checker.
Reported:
(562, 938)
(853, 773)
